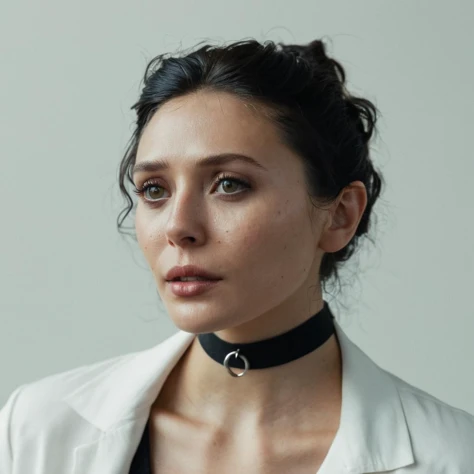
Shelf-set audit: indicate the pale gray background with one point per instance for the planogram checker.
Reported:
(73, 292)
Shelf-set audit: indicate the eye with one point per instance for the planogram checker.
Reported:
(230, 182)
(150, 191)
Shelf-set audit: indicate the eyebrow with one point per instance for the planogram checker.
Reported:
(208, 161)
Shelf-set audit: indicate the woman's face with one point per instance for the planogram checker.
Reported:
(259, 236)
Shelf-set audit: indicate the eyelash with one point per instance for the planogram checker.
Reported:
(150, 183)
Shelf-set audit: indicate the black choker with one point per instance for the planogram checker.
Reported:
(277, 350)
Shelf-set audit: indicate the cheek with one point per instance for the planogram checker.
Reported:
(147, 233)
(277, 249)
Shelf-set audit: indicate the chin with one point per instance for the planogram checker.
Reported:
(200, 322)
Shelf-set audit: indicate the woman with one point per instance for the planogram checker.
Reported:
(260, 377)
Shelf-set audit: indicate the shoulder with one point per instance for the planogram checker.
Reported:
(442, 435)
(59, 385)
(35, 414)
(42, 398)
(45, 397)
(423, 409)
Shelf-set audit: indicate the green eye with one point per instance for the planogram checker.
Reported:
(151, 192)
(227, 184)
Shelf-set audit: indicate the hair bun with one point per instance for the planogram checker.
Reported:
(361, 112)
(315, 54)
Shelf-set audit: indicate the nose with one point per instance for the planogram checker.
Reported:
(186, 220)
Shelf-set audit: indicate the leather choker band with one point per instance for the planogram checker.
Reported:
(278, 350)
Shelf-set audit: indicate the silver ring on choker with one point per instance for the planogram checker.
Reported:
(226, 363)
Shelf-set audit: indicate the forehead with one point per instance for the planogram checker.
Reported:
(206, 123)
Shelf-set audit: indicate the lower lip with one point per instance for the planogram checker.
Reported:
(191, 288)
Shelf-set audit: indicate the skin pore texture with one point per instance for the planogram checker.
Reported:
(266, 241)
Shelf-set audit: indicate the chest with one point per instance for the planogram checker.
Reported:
(184, 448)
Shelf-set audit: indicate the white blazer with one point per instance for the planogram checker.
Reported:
(90, 420)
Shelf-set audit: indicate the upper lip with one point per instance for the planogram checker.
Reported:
(190, 271)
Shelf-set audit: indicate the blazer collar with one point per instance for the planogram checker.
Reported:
(373, 435)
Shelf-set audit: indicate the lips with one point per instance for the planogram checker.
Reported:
(190, 271)
(192, 288)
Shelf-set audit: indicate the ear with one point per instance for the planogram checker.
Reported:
(343, 217)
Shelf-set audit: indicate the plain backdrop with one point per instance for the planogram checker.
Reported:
(73, 292)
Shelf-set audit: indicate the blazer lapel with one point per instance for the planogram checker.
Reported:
(118, 404)
(112, 453)
(373, 435)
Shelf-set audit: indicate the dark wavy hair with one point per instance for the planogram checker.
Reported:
(305, 92)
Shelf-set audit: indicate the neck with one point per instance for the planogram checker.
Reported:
(201, 389)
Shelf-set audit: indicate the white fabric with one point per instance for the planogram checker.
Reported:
(90, 420)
